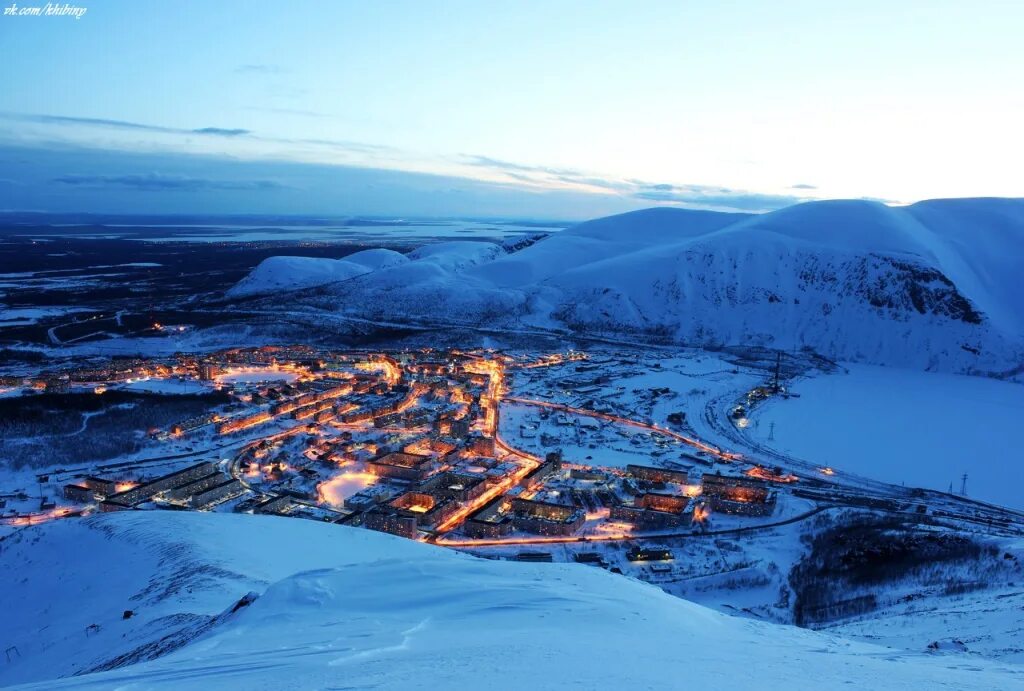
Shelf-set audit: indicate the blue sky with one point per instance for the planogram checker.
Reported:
(567, 109)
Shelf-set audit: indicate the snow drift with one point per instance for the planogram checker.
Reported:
(932, 285)
(231, 601)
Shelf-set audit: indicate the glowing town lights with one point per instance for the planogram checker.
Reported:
(762, 473)
(334, 491)
(826, 471)
(743, 423)
(723, 455)
(125, 486)
(701, 513)
(692, 490)
(37, 518)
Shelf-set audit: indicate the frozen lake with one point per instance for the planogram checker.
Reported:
(901, 426)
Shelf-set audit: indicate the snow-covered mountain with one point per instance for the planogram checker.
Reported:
(932, 285)
(293, 273)
(233, 601)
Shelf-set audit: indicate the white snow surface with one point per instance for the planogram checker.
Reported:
(931, 286)
(924, 429)
(349, 608)
(294, 273)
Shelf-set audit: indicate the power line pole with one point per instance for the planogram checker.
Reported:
(963, 485)
(771, 432)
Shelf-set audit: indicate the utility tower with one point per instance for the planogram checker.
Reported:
(771, 432)
(963, 485)
(778, 368)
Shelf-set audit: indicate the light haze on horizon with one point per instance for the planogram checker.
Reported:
(569, 109)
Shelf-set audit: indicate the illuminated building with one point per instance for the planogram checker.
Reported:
(652, 474)
(276, 505)
(480, 445)
(208, 371)
(147, 490)
(669, 503)
(388, 519)
(740, 496)
(243, 423)
(543, 518)
(216, 494)
(653, 512)
(456, 486)
(185, 492)
(78, 493)
(57, 384)
(429, 510)
(536, 477)
(100, 486)
(641, 554)
(459, 428)
(401, 466)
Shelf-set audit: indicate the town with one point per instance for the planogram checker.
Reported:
(471, 449)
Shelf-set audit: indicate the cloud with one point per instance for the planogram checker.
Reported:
(221, 131)
(482, 169)
(358, 147)
(225, 132)
(101, 122)
(119, 124)
(498, 164)
(160, 182)
(803, 186)
(715, 197)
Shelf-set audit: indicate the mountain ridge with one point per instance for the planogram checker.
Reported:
(932, 285)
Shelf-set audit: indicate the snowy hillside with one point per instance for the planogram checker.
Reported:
(931, 286)
(293, 273)
(332, 607)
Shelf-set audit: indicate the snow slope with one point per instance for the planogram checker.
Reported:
(345, 608)
(930, 286)
(294, 273)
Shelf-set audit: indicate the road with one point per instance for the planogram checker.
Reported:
(696, 443)
(633, 538)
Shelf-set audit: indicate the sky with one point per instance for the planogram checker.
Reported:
(557, 109)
